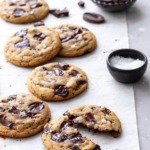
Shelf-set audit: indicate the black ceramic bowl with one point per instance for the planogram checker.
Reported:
(113, 5)
(127, 76)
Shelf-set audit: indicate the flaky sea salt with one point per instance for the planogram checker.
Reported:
(126, 63)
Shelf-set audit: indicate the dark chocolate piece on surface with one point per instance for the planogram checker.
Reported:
(59, 13)
(5, 122)
(22, 44)
(21, 33)
(81, 3)
(93, 17)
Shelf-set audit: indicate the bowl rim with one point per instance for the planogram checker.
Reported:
(106, 6)
(126, 49)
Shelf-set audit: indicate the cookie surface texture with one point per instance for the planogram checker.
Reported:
(57, 81)
(23, 11)
(76, 40)
(96, 118)
(22, 115)
(61, 134)
(32, 46)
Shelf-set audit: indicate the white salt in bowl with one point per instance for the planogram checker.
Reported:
(127, 65)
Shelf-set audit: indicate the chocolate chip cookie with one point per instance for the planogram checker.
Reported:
(76, 40)
(23, 11)
(96, 118)
(32, 46)
(22, 115)
(57, 81)
(60, 134)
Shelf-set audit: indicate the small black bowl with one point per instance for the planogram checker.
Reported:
(113, 6)
(127, 76)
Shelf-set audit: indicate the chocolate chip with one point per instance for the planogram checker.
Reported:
(81, 3)
(79, 84)
(36, 5)
(113, 133)
(66, 39)
(22, 44)
(12, 3)
(75, 148)
(75, 138)
(46, 130)
(40, 23)
(61, 90)
(97, 147)
(18, 12)
(73, 73)
(43, 69)
(71, 117)
(93, 18)
(58, 137)
(14, 110)
(36, 107)
(55, 72)
(59, 13)
(76, 31)
(5, 122)
(63, 66)
(89, 117)
(2, 109)
(39, 36)
(21, 33)
(106, 111)
(66, 124)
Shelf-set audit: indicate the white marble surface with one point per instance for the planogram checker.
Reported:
(103, 89)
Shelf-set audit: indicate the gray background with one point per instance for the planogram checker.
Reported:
(139, 37)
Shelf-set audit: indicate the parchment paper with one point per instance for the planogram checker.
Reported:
(103, 89)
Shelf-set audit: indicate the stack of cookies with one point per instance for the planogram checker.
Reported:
(24, 115)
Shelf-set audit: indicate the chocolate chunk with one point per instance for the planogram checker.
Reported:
(97, 147)
(89, 117)
(59, 13)
(12, 3)
(43, 69)
(58, 137)
(66, 124)
(36, 107)
(76, 31)
(36, 5)
(63, 66)
(75, 138)
(39, 36)
(40, 23)
(10, 99)
(81, 3)
(79, 84)
(61, 90)
(2, 109)
(113, 133)
(22, 44)
(75, 148)
(73, 73)
(106, 111)
(14, 110)
(5, 122)
(93, 18)
(55, 72)
(46, 130)
(21, 33)
(66, 39)
(18, 12)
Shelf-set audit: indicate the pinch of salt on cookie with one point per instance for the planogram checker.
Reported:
(104, 121)
(78, 119)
